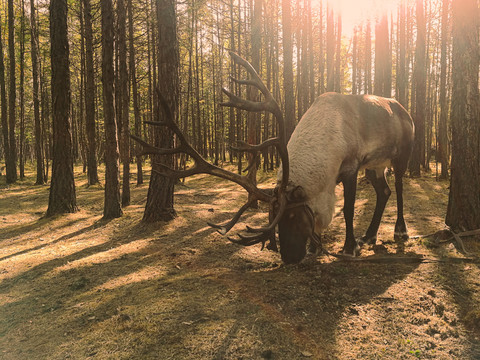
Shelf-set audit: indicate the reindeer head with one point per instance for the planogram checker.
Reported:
(288, 207)
(295, 226)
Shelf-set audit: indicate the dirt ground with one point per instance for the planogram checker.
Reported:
(79, 287)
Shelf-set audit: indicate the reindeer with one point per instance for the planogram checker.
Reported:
(338, 136)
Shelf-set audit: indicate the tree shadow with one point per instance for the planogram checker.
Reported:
(181, 291)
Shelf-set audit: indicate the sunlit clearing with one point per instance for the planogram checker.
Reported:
(145, 274)
(105, 256)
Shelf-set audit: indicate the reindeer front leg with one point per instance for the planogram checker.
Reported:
(349, 191)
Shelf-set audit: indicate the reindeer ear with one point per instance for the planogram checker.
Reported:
(298, 194)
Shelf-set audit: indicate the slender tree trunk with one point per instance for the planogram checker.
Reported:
(338, 56)
(321, 62)
(463, 211)
(354, 61)
(160, 192)
(299, 63)
(62, 189)
(310, 54)
(330, 49)
(252, 92)
(382, 84)
(3, 104)
(22, 92)
(305, 76)
(112, 207)
(133, 76)
(124, 99)
(442, 126)
(92, 172)
(402, 78)
(368, 59)
(231, 110)
(12, 161)
(418, 154)
(288, 68)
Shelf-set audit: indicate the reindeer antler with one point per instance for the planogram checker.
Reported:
(202, 166)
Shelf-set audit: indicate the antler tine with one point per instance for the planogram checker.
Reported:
(248, 105)
(274, 223)
(255, 78)
(223, 229)
(249, 240)
(269, 104)
(243, 146)
(149, 149)
(262, 234)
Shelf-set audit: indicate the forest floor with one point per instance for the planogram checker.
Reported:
(78, 287)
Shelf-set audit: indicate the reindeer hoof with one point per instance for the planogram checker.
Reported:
(351, 253)
(367, 241)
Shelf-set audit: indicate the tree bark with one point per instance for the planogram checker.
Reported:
(402, 79)
(463, 211)
(62, 189)
(124, 99)
(112, 207)
(330, 49)
(92, 173)
(3, 101)
(288, 68)
(338, 56)
(354, 61)
(252, 93)
(22, 93)
(382, 82)
(133, 76)
(442, 124)
(12, 161)
(418, 154)
(160, 191)
(368, 59)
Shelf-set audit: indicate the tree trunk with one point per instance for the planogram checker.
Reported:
(354, 61)
(402, 78)
(330, 49)
(338, 56)
(22, 93)
(382, 82)
(160, 191)
(321, 61)
(442, 125)
(288, 68)
(368, 59)
(252, 92)
(3, 104)
(463, 211)
(311, 75)
(62, 189)
(92, 172)
(12, 161)
(124, 99)
(112, 207)
(133, 76)
(418, 154)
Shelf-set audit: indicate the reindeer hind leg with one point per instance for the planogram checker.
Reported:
(379, 182)
(401, 232)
